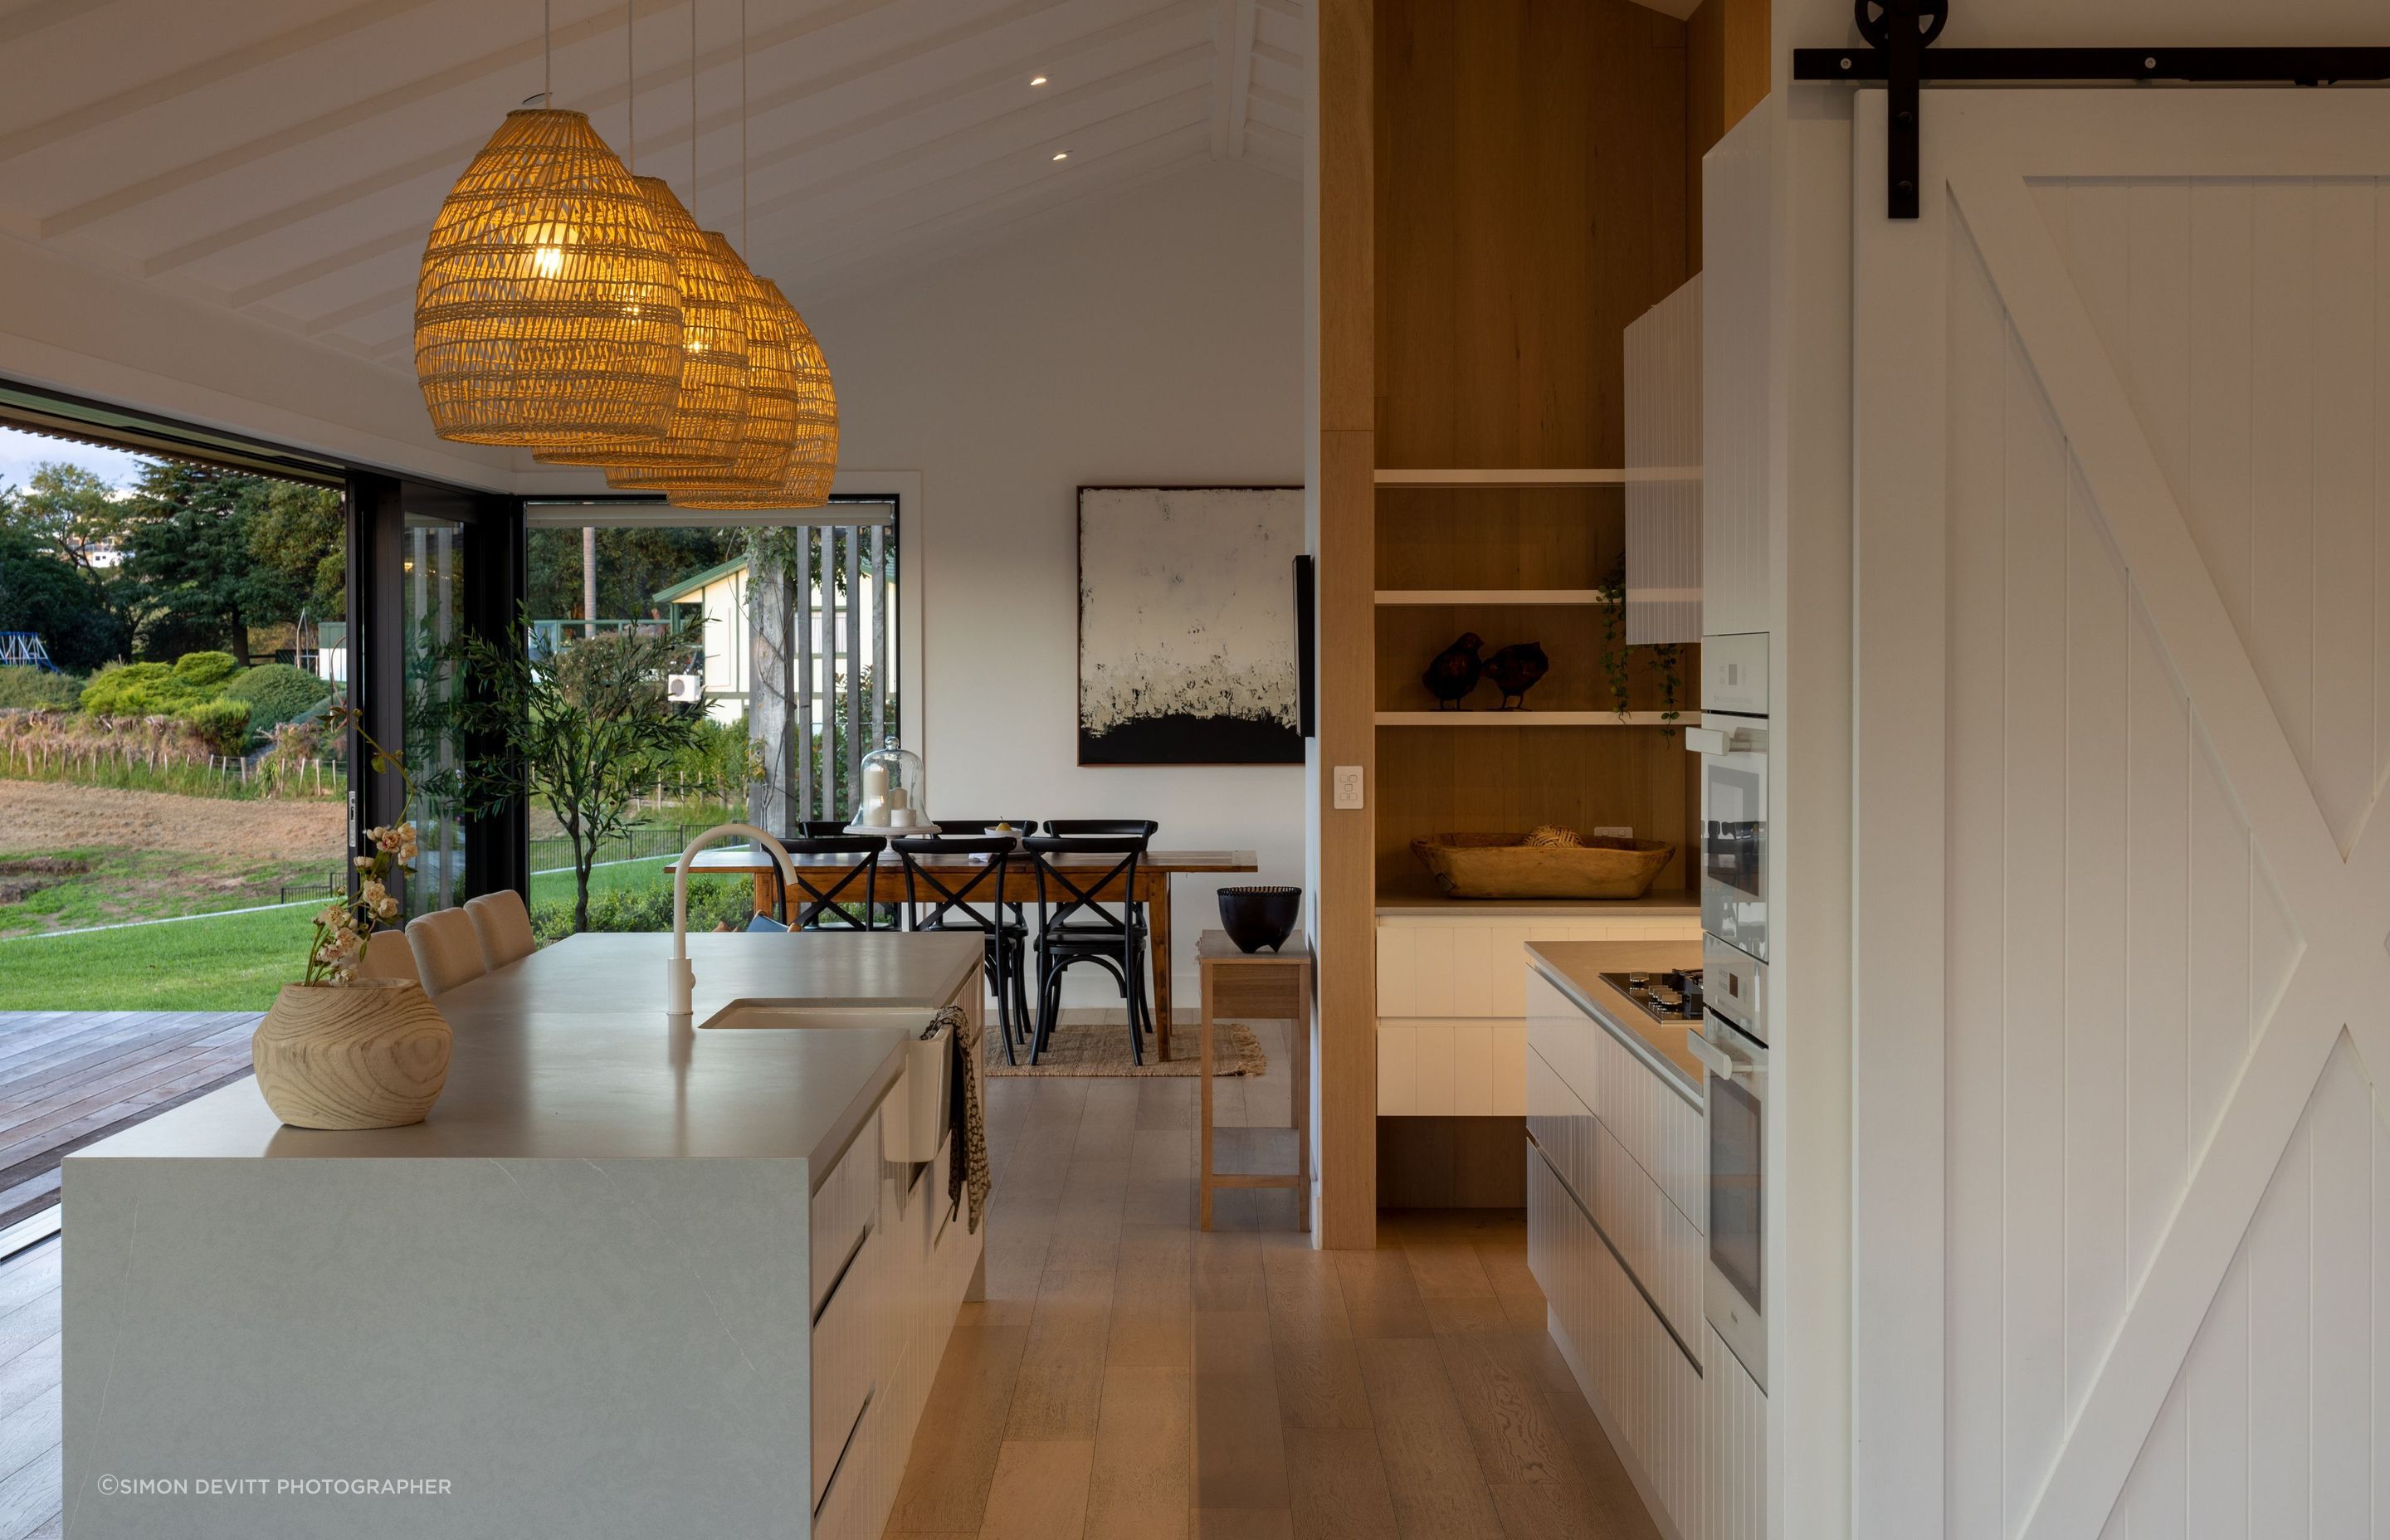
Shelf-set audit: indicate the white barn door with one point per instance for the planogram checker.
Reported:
(2121, 470)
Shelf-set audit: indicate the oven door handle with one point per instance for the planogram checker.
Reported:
(1709, 1054)
(1710, 740)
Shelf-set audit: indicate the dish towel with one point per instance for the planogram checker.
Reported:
(967, 1177)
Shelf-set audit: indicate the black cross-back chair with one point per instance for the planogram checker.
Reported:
(818, 828)
(975, 903)
(974, 828)
(824, 899)
(1081, 828)
(1075, 925)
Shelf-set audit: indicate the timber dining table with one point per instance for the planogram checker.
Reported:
(1154, 870)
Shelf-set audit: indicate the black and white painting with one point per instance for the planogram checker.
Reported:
(1187, 644)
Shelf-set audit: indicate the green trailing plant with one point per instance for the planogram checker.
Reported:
(587, 731)
(1610, 602)
(1669, 657)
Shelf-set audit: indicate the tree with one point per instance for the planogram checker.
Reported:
(584, 731)
(83, 523)
(42, 593)
(301, 534)
(633, 566)
(191, 553)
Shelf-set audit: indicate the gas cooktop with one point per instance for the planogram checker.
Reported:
(1670, 995)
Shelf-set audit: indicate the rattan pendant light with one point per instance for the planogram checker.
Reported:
(772, 399)
(547, 311)
(801, 477)
(791, 453)
(710, 418)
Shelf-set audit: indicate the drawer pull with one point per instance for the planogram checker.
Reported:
(1620, 1257)
(853, 1256)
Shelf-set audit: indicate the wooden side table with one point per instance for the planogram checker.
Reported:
(1269, 986)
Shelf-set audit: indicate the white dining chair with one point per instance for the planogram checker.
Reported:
(447, 953)
(504, 926)
(389, 957)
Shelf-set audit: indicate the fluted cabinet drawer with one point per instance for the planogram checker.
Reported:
(1734, 1449)
(1660, 1245)
(1457, 1067)
(845, 1205)
(850, 1350)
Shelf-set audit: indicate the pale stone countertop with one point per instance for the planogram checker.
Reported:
(567, 1054)
(1576, 967)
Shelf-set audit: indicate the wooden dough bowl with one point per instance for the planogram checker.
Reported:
(1505, 866)
(370, 1054)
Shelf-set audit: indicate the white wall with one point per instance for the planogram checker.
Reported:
(1156, 337)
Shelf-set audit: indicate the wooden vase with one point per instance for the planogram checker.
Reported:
(369, 1054)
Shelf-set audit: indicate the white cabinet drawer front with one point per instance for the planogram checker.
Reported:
(1660, 1128)
(845, 1510)
(1469, 1067)
(1562, 1127)
(1661, 1246)
(850, 1349)
(1565, 1035)
(845, 1205)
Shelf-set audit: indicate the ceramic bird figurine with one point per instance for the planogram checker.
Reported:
(1515, 670)
(1455, 672)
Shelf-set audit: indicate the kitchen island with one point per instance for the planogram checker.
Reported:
(630, 1278)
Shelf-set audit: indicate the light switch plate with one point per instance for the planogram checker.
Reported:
(1348, 786)
(1614, 831)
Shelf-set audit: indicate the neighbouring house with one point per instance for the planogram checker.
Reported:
(720, 595)
(329, 658)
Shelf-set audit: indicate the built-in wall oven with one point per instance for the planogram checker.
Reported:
(1730, 1042)
(1732, 741)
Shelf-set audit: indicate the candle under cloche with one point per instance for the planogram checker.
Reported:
(894, 794)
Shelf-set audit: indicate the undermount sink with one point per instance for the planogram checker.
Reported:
(786, 1014)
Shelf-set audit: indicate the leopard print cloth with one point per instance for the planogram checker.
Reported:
(968, 1176)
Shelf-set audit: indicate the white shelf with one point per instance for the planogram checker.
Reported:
(1483, 718)
(1489, 595)
(1501, 477)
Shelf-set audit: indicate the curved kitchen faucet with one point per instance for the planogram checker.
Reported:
(680, 980)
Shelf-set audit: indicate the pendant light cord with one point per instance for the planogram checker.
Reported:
(631, 84)
(547, 54)
(743, 125)
(692, 113)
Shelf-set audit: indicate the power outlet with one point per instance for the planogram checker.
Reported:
(1348, 786)
(1614, 831)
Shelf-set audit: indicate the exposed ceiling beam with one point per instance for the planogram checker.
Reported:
(199, 76)
(1185, 145)
(1036, 120)
(410, 237)
(365, 109)
(1224, 68)
(1291, 9)
(1278, 56)
(451, 156)
(1029, 166)
(333, 320)
(1155, 20)
(1241, 79)
(41, 16)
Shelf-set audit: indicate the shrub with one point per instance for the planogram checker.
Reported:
(203, 674)
(132, 689)
(224, 723)
(37, 688)
(276, 693)
(711, 901)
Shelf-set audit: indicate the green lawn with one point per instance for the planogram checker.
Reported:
(228, 962)
(231, 962)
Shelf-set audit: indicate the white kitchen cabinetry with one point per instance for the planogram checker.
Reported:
(880, 1323)
(1616, 1212)
(1452, 1000)
(1734, 1448)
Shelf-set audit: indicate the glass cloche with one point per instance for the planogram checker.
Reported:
(894, 799)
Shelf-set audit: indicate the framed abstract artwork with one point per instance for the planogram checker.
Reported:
(1187, 625)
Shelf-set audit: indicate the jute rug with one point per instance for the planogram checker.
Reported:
(1101, 1048)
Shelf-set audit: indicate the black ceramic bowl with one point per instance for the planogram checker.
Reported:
(1256, 917)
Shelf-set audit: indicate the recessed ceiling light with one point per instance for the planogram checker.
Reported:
(1037, 80)
(1063, 155)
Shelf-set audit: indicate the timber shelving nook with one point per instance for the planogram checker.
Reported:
(1504, 189)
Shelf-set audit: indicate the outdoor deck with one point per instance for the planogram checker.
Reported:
(70, 1077)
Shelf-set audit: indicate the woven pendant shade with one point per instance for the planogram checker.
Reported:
(549, 308)
(803, 478)
(772, 397)
(711, 416)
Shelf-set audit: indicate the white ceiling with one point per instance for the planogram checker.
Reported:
(284, 158)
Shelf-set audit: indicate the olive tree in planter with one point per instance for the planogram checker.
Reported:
(583, 730)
